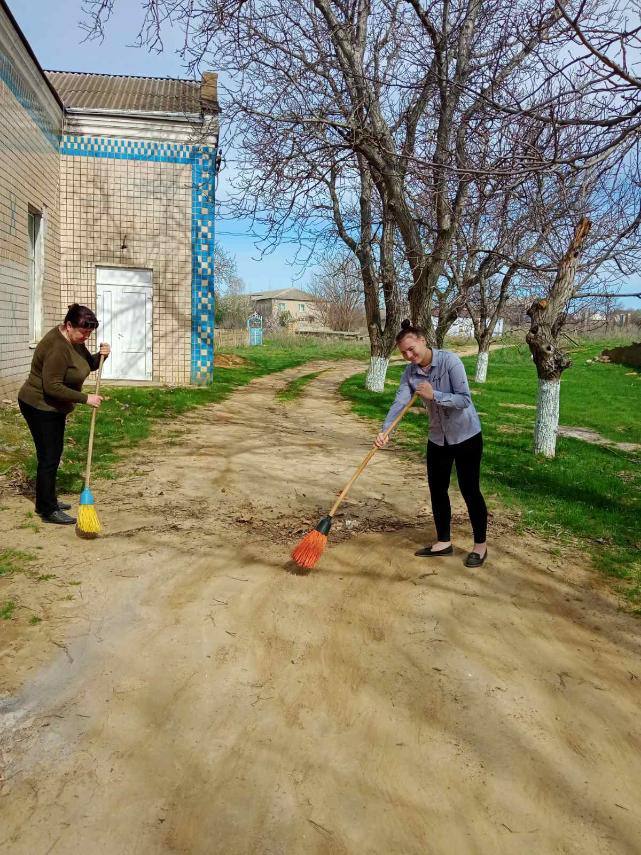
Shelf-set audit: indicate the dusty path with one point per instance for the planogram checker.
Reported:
(203, 698)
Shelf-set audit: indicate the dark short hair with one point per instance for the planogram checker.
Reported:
(81, 316)
(408, 328)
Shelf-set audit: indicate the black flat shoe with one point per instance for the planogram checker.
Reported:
(474, 559)
(428, 552)
(62, 506)
(59, 518)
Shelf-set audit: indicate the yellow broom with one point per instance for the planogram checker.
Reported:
(311, 547)
(87, 522)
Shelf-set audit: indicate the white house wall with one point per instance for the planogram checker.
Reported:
(30, 125)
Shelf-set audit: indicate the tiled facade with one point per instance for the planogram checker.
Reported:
(158, 200)
(139, 195)
(145, 205)
(30, 123)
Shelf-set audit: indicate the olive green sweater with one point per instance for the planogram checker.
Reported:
(58, 370)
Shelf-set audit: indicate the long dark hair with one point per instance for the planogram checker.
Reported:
(408, 328)
(81, 316)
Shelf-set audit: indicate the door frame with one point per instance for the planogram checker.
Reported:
(132, 277)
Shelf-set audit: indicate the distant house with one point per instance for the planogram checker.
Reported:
(301, 307)
(463, 327)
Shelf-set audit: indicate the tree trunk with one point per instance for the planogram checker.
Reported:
(375, 379)
(547, 417)
(481, 366)
(547, 319)
(376, 281)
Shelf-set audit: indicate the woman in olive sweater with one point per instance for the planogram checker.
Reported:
(61, 363)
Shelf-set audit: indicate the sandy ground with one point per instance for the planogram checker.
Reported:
(188, 692)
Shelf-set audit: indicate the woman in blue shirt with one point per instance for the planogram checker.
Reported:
(455, 437)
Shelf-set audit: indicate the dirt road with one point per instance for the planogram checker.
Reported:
(189, 693)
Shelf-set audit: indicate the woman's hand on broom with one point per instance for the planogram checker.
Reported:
(425, 390)
(105, 349)
(381, 440)
(95, 400)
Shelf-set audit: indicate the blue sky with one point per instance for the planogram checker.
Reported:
(54, 33)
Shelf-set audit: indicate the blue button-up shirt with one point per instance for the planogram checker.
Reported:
(453, 417)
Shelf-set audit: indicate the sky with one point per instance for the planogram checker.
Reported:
(57, 40)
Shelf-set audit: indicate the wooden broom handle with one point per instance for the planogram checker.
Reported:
(371, 454)
(92, 426)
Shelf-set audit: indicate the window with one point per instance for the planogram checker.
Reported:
(34, 272)
(281, 307)
(301, 307)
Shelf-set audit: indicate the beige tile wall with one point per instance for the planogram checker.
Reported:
(29, 175)
(104, 202)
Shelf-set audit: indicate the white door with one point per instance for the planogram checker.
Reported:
(124, 302)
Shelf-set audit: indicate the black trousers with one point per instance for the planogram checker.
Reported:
(48, 432)
(467, 457)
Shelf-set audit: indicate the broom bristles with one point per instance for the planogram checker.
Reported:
(87, 521)
(310, 549)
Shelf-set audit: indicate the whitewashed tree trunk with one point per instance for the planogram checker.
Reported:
(547, 417)
(547, 317)
(481, 366)
(375, 379)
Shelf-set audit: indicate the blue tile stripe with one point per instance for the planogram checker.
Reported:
(76, 145)
(203, 199)
(26, 97)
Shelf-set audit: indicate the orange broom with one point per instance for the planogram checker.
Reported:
(311, 547)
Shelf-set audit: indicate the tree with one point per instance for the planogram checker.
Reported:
(386, 81)
(231, 305)
(285, 318)
(338, 288)
(499, 236)
(590, 84)
(547, 316)
(372, 240)
(414, 103)
(604, 243)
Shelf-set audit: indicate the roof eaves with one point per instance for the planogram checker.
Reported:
(143, 114)
(127, 76)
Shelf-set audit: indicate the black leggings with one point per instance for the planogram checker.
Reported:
(467, 456)
(48, 432)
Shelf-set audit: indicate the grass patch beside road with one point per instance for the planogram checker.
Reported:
(127, 417)
(589, 492)
(294, 389)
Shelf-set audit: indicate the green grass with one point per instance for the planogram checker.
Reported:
(30, 522)
(127, 417)
(15, 441)
(294, 389)
(588, 492)
(13, 561)
(7, 609)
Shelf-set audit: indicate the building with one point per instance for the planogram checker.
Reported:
(463, 327)
(31, 121)
(299, 306)
(107, 197)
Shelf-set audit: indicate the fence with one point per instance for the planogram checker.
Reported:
(230, 338)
